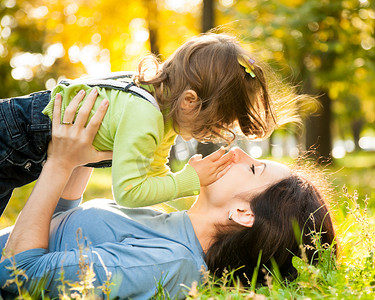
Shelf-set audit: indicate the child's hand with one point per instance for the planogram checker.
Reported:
(212, 167)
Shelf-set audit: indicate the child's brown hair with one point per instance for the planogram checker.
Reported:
(228, 94)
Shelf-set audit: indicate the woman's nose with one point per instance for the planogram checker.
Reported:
(240, 156)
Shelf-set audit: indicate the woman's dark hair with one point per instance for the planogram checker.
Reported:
(290, 202)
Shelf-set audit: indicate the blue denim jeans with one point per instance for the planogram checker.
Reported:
(24, 136)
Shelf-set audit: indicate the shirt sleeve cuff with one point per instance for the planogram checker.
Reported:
(64, 204)
(187, 182)
(20, 260)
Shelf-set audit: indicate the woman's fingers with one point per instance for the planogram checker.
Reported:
(56, 111)
(96, 120)
(85, 110)
(70, 111)
(72, 145)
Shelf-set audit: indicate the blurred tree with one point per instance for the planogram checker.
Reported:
(208, 23)
(326, 45)
(152, 25)
(25, 54)
(208, 15)
(89, 37)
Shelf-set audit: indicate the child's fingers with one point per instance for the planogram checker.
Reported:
(225, 159)
(216, 155)
(94, 124)
(224, 171)
(196, 157)
(85, 110)
(56, 119)
(71, 110)
(223, 166)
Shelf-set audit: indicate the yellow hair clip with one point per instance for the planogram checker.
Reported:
(248, 64)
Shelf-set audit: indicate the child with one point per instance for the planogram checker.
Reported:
(206, 88)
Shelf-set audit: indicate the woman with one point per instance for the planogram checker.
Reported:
(251, 208)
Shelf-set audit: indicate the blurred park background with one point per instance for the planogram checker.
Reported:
(324, 47)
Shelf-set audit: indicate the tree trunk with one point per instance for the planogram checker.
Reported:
(208, 22)
(318, 129)
(356, 130)
(208, 15)
(152, 23)
(206, 149)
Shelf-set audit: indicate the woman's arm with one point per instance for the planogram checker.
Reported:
(71, 197)
(77, 183)
(71, 146)
(32, 226)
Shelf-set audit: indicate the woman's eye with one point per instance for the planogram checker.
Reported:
(257, 170)
(252, 168)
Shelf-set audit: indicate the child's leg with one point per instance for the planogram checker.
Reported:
(24, 136)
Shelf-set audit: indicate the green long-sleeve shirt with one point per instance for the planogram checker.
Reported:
(140, 140)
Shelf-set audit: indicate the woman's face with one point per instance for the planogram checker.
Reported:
(246, 175)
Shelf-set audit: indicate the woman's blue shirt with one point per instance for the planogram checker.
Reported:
(140, 248)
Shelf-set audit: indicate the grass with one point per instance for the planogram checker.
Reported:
(351, 277)
(356, 171)
(99, 187)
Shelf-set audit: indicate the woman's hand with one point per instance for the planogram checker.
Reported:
(212, 167)
(71, 143)
(71, 146)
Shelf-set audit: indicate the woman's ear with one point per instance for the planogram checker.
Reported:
(189, 101)
(244, 217)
